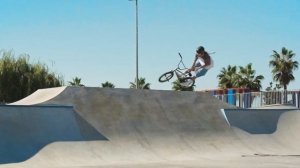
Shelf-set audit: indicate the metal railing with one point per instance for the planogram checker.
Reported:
(260, 99)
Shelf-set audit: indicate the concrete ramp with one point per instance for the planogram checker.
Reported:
(149, 128)
(24, 130)
(40, 96)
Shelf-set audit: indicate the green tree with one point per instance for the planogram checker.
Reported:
(19, 78)
(107, 85)
(240, 77)
(75, 82)
(246, 78)
(271, 88)
(228, 77)
(142, 84)
(176, 86)
(283, 65)
(269, 97)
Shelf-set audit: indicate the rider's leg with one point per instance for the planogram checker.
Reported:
(200, 72)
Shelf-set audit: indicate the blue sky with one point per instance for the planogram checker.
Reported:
(95, 39)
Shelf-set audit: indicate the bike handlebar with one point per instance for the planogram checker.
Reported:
(181, 62)
(180, 55)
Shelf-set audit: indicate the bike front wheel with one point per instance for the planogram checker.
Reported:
(166, 76)
(187, 82)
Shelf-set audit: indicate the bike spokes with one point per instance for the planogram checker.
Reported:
(166, 76)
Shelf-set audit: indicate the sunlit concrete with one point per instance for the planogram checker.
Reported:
(151, 128)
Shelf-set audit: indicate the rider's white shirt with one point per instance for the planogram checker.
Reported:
(200, 62)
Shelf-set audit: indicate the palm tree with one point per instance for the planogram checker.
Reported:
(107, 85)
(270, 87)
(228, 77)
(75, 82)
(178, 87)
(282, 66)
(142, 84)
(247, 79)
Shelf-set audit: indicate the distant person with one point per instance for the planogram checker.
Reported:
(201, 64)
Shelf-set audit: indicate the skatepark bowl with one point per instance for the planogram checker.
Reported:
(86, 127)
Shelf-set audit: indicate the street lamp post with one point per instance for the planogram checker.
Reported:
(137, 43)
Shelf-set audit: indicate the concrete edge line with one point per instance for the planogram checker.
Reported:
(225, 117)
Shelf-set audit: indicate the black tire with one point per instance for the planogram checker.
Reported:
(189, 81)
(166, 76)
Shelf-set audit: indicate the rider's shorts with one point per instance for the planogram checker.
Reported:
(201, 72)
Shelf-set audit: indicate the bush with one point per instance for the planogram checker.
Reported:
(19, 78)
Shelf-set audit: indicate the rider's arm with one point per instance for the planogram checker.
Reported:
(193, 66)
(207, 62)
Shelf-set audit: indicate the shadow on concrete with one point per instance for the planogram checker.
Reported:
(24, 130)
(255, 121)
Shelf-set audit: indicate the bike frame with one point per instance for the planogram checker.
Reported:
(178, 70)
(181, 75)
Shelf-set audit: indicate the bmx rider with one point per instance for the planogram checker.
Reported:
(201, 64)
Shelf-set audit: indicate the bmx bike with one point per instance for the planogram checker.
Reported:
(185, 78)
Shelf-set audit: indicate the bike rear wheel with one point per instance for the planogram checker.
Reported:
(166, 76)
(187, 82)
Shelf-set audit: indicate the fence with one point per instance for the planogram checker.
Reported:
(259, 99)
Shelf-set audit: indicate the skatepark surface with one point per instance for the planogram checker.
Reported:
(85, 127)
